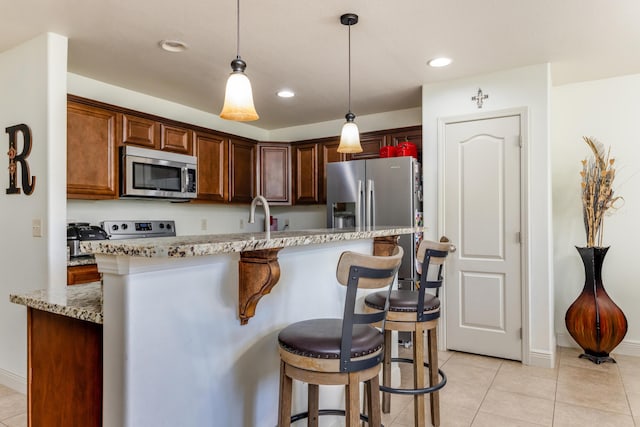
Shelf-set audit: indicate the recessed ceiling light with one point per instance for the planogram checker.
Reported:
(173, 45)
(439, 62)
(285, 93)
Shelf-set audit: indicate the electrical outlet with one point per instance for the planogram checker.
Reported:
(286, 222)
(203, 224)
(241, 223)
(36, 228)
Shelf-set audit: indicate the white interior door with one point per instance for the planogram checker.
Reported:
(483, 284)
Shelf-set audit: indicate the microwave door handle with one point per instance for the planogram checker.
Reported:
(185, 179)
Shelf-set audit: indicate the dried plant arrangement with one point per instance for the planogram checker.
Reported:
(598, 197)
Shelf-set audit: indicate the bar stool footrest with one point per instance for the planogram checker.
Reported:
(341, 412)
(415, 391)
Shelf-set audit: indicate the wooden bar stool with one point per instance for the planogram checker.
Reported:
(344, 351)
(415, 311)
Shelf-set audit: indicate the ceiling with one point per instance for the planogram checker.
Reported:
(301, 45)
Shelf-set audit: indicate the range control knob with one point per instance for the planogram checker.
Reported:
(125, 226)
(115, 227)
(168, 226)
(161, 226)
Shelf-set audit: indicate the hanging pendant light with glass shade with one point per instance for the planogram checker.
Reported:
(350, 136)
(238, 97)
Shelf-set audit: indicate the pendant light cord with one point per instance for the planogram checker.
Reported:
(238, 30)
(349, 67)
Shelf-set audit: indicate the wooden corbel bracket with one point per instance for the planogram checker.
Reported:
(259, 272)
(384, 246)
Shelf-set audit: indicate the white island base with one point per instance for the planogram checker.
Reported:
(175, 353)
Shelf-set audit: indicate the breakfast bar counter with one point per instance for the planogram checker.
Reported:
(173, 350)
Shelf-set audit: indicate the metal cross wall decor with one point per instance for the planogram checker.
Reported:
(479, 98)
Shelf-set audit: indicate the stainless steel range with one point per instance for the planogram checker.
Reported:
(123, 229)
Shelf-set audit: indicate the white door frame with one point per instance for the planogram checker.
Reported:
(523, 112)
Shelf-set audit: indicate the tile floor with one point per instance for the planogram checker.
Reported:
(483, 392)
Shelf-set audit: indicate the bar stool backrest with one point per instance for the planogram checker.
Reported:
(356, 271)
(431, 256)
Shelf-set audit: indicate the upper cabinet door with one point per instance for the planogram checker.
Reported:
(371, 145)
(92, 169)
(176, 139)
(305, 169)
(213, 167)
(242, 170)
(139, 131)
(274, 172)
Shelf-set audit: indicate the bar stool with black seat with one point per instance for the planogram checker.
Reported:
(344, 351)
(415, 311)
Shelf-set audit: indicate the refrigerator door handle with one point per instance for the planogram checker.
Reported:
(371, 214)
(359, 213)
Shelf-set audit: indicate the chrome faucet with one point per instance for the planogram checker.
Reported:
(267, 216)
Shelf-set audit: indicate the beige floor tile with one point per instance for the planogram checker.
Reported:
(511, 366)
(12, 405)
(455, 416)
(462, 395)
(516, 382)
(476, 360)
(634, 403)
(6, 391)
(593, 395)
(460, 371)
(566, 415)
(399, 405)
(631, 381)
(570, 357)
(17, 421)
(519, 407)
(484, 419)
(588, 377)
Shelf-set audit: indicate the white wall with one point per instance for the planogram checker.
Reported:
(524, 87)
(33, 88)
(607, 110)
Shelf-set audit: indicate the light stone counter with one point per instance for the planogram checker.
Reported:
(82, 302)
(212, 244)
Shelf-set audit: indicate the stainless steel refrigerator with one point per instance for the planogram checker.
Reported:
(378, 192)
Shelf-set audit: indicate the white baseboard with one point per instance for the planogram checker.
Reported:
(542, 359)
(13, 381)
(626, 347)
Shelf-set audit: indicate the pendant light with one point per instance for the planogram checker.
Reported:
(238, 97)
(350, 136)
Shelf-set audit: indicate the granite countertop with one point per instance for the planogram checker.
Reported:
(212, 244)
(83, 302)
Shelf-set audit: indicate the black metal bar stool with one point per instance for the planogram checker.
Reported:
(415, 311)
(344, 351)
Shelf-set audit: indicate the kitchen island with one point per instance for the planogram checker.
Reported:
(174, 352)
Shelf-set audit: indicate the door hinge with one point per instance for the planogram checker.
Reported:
(520, 141)
(518, 237)
(520, 333)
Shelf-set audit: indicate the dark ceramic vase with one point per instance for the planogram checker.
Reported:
(596, 323)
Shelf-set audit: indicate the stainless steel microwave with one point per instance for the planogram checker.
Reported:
(157, 174)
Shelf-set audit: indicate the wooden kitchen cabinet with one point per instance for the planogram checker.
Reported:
(242, 170)
(274, 172)
(140, 131)
(64, 358)
(213, 166)
(92, 140)
(156, 134)
(371, 145)
(176, 139)
(411, 134)
(79, 274)
(306, 173)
